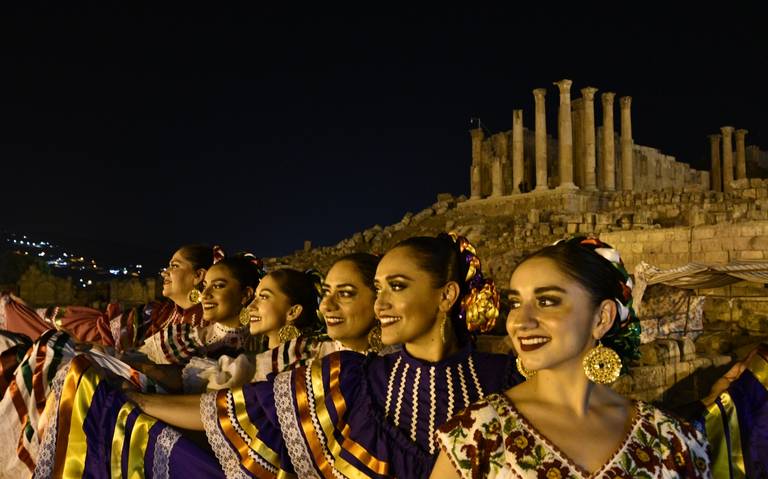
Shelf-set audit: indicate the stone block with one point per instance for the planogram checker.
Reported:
(667, 351)
(680, 247)
(751, 254)
(683, 369)
(687, 349)
(703, 233)
(716, 257)
(648, 377)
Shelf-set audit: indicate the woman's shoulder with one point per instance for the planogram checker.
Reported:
(490, 409)
(680, 445)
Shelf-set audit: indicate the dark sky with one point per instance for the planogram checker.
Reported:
(261, 128)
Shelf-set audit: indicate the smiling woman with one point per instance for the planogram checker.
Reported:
(573, 327)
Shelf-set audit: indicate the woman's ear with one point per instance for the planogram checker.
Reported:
(294, 312)
(604, 318)
(449, 295)
(199, 275)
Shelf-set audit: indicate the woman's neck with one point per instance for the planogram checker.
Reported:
(233, 322)
(566, 386)
(356, 344)
(274, 339)
(183, 302)
(431, 347)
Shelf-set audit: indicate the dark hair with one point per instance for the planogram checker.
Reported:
(302, 288)
(365, 263)
(243, 268)
(598, 276)
(440, 257)
(200, 255)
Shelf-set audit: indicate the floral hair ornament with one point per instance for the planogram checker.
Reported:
(479, 308)
(218, 254)
(258, 262)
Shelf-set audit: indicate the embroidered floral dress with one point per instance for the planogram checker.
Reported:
(491, 439)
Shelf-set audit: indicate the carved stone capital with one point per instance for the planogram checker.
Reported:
(564, 85)
(726, 130)
(625, 101)
(539, 93)
(588, 93)
(741, 133)
(607, 98)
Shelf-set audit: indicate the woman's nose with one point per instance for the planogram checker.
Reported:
(522, 318)
(327, 304)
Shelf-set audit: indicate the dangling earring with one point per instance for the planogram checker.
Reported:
(245, 316)
(288, 332)
(194, 296)
(602, 365)
(527, 374)
(442, 326)
(374, 338)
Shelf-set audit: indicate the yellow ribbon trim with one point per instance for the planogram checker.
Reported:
(358, 451)
(258, 446)
(118, 438)
(138, 445)
(759, 368)
(716, 424)
(236, 440)
(77, 446)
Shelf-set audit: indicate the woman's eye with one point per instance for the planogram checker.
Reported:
(346, 294)
(545, 302)
(263, 297)
(397, 286)
(514, 304)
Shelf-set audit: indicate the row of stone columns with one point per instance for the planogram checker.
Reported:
(587, 140)
(723, 174)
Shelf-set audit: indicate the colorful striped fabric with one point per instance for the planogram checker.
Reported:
(24, 395)
(94, 431)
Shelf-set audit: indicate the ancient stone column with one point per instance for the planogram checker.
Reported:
(476, 177)
(565, 136)
(497, 166)
(541, 140)
(741, 156)
(517, 150)
(590, 160)
(608, 170)
(627, 165)
(577, 123)
(714, 151)
(727, 132)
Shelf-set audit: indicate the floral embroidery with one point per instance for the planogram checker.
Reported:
(490, 439)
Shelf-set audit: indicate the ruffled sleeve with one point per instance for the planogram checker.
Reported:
(289, 355)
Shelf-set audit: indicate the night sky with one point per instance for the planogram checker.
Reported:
(139, 128)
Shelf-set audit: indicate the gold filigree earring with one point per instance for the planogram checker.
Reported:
(288, 332)
(443, 320)
(245, 316)
(602, 365)
(195, 296)
(527, 373)
(374, 338)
